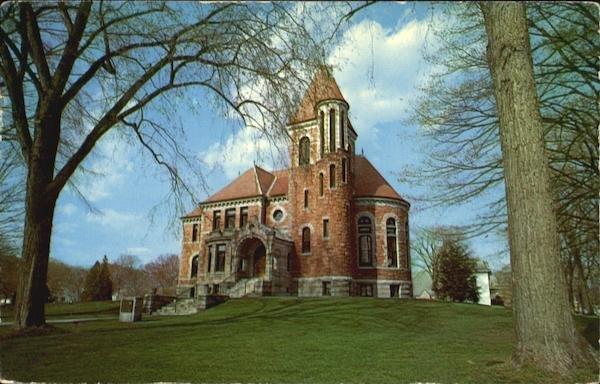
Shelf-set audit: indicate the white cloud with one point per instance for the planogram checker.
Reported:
(242, 149)
(67, 209)
(113, 219)
(377, 69)
(109, 168)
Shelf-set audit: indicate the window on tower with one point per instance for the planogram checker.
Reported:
(321, 181)
(332, 176)
(342, 129)
(304, 151)
(306, 240)
(322, 133)
(392, 244)
(332, 130)
(344, 170)
(365, 242)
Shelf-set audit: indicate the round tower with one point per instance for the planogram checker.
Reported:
(321, 190)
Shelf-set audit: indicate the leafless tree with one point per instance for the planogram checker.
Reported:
(163, 271)
(75, 71)
(457, 114)
(545, 329)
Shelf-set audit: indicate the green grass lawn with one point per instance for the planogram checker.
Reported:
(290, 340)
(65, 311)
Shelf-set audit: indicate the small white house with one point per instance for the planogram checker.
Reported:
(422, 284)
(482, 274)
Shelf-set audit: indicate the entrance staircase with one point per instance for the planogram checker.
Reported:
(179, 307)
(246, 287)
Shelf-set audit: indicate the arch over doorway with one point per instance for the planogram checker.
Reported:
(252, 258)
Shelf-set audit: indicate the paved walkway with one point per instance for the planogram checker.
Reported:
(66, 321)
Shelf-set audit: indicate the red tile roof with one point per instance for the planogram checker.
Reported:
(322, 87)
(368, 182)
(280, 186)
(243, 186)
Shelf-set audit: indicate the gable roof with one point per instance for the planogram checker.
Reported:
(322, 87)
(368, 182)
(245, 185)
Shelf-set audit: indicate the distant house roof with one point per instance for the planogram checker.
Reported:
(421, 281)
(481, 266)
(322, 87)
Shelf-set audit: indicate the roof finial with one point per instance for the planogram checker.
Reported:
(362, 151)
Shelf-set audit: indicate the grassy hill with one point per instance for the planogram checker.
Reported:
(289, 340)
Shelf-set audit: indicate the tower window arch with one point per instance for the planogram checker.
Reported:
(344, 170)
(342, 129)
(365, 241)
(321, 186)
(332, 176)
(392, 244)
(332, 130)
(304, 151)
(322, 133)
(194, 269)
(306, 240)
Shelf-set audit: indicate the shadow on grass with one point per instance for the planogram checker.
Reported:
(44, 330)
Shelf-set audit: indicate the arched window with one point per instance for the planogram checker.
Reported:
(322, 133)
(407, 235)
(344, 170)
(306, 240)
(321, 191)
(365, 242)
(342, 129)
(304, 151)
(332, 176)
(332, 130)
(306, 198)
(194, 272)
(392, 244)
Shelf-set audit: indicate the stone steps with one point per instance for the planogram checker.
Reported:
(178, 307)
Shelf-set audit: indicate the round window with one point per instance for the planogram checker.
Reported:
(278, 215)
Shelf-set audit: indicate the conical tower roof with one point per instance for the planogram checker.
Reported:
(322, 87)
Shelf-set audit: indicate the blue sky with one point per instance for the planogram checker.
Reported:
(377, 64)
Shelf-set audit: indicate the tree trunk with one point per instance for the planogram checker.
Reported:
(40, 202)
(582, 289)
(36, 251)
(544, 326)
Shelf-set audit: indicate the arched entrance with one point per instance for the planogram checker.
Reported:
(252, 258)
